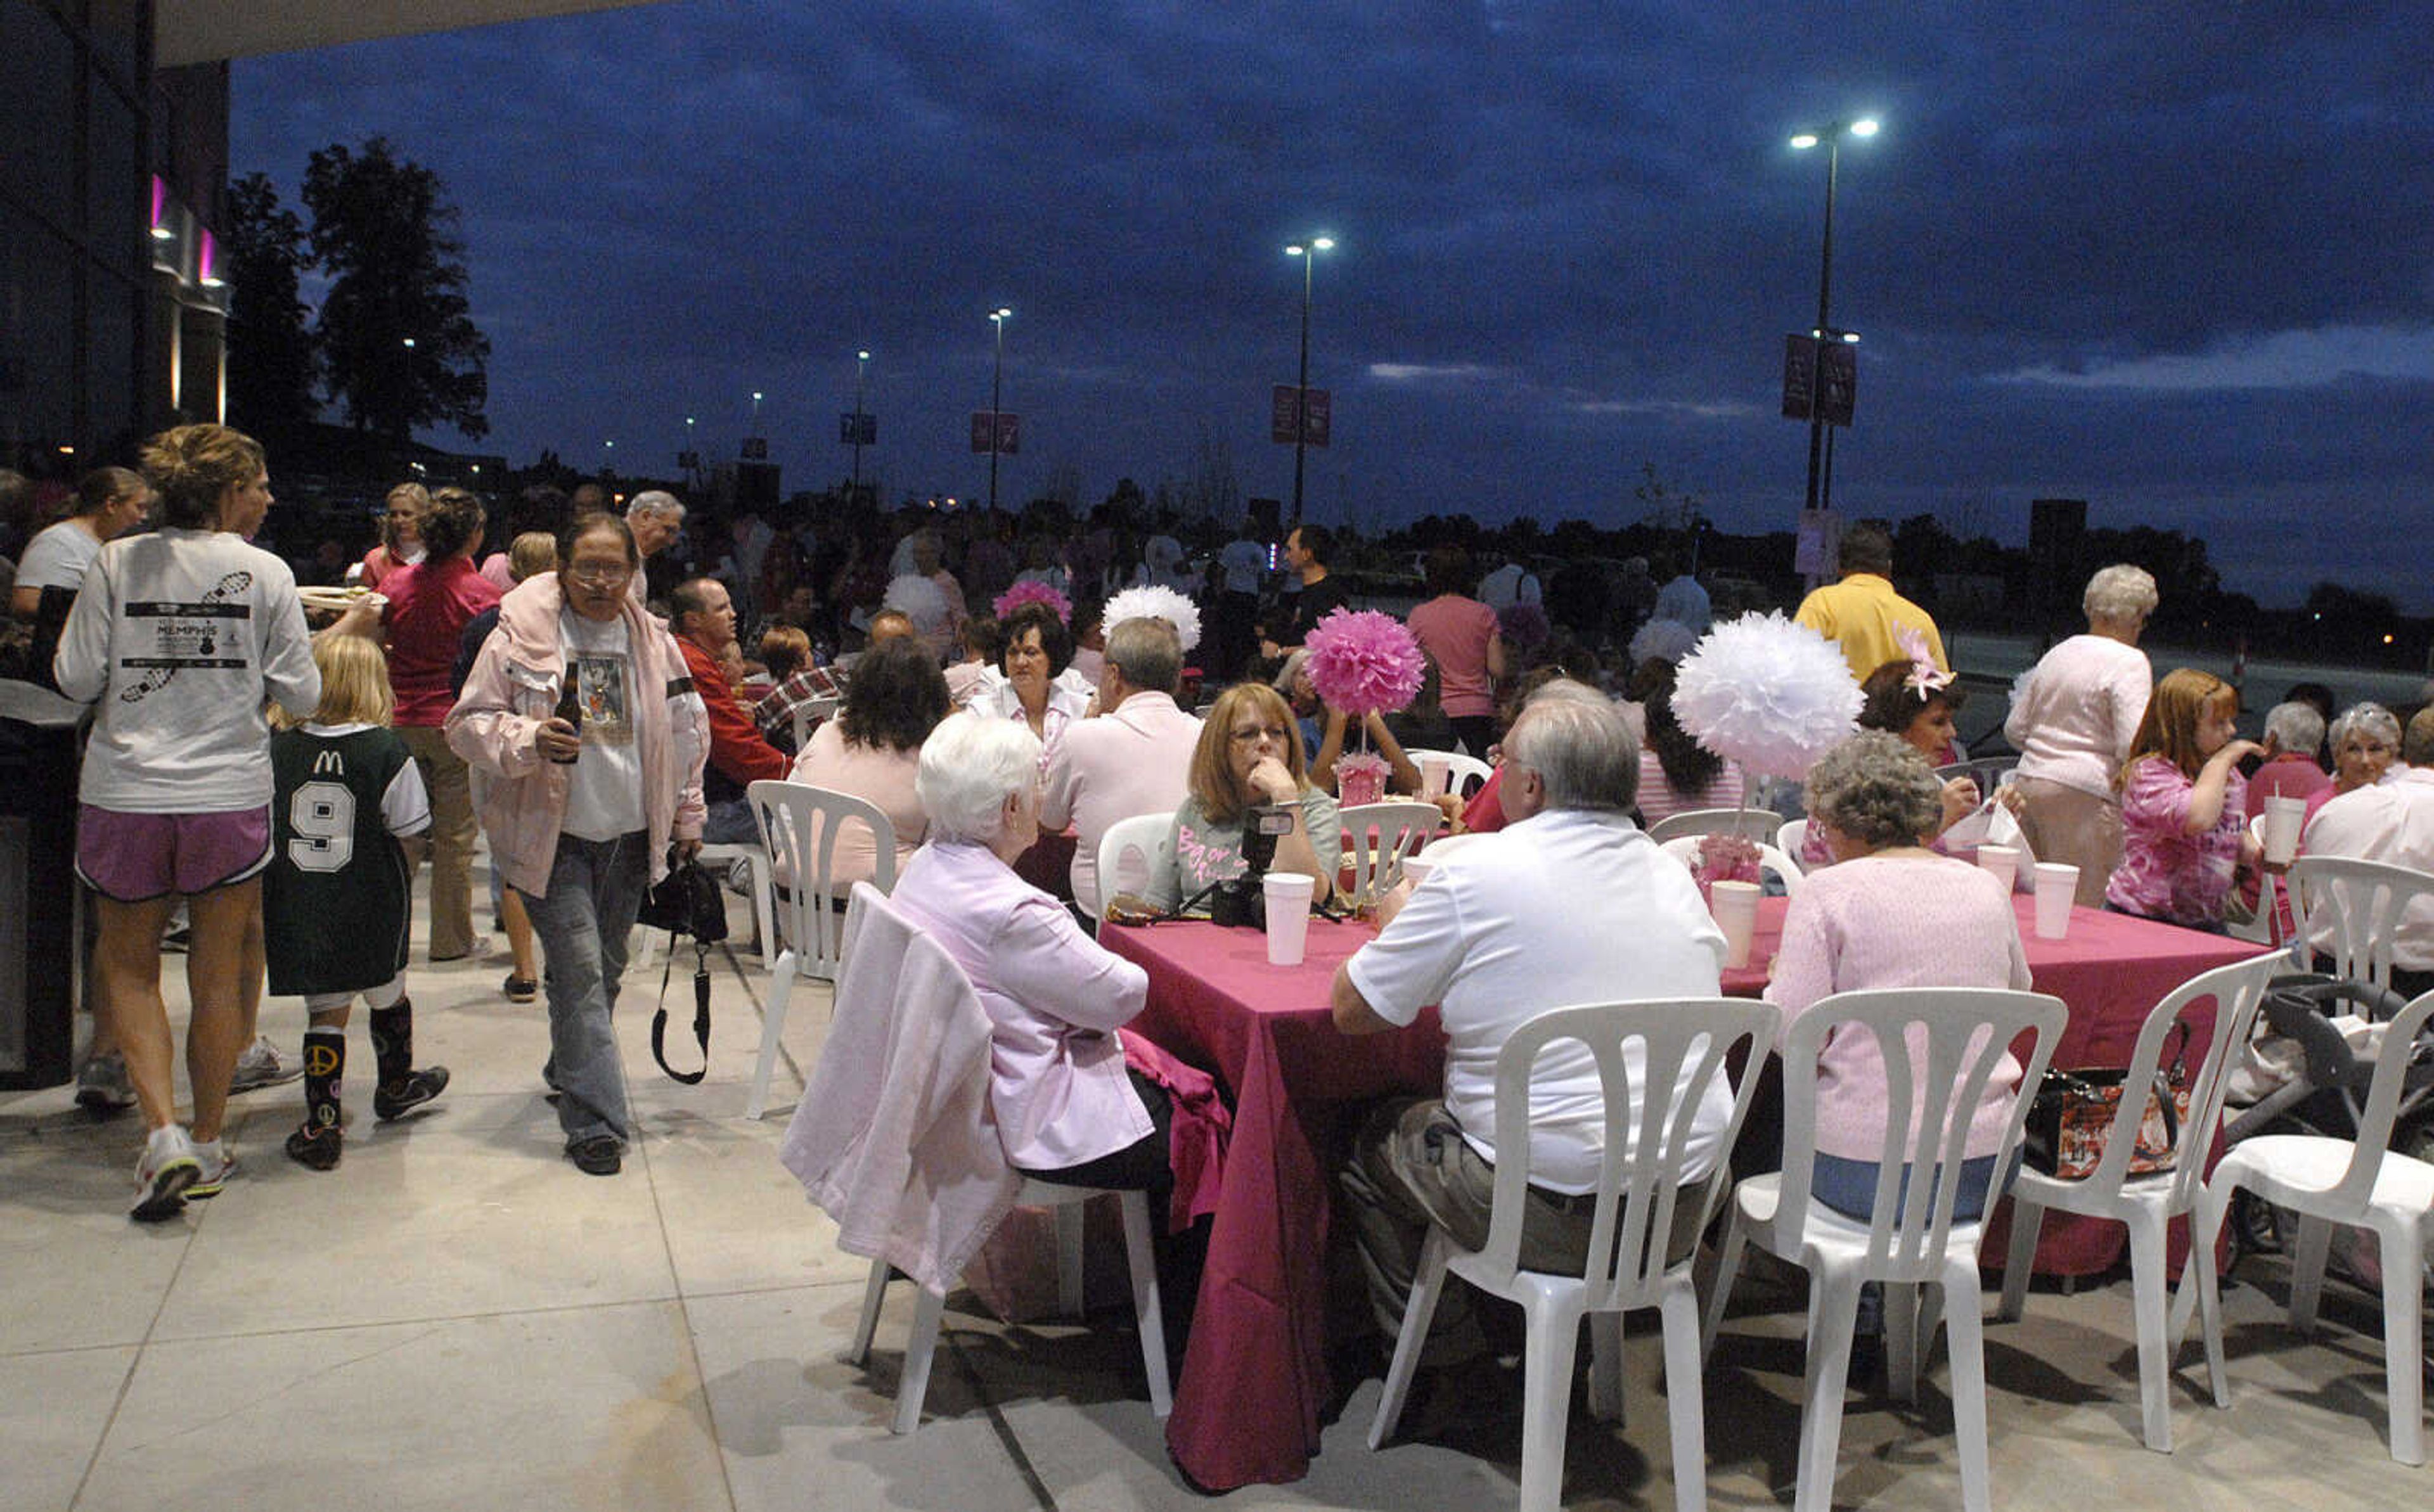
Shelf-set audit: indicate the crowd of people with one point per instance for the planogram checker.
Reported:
(596, 699)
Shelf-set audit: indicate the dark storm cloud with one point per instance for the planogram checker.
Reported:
(2142, 254)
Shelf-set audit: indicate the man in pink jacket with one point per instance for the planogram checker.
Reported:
(584, 814)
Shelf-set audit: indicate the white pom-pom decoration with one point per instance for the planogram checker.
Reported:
(919, 600)
(1662, 639)
(1154, 602)
(1767, 693)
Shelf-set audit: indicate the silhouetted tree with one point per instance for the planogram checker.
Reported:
(397, 336)
(271, 361)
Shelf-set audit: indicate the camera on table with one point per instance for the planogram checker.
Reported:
(1238, 902)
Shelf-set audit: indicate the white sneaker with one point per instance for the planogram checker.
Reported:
(260, 1065)
(166, 1169)
(216, 1165)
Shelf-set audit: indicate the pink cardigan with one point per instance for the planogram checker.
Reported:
(893, 1137)
(1893, 921)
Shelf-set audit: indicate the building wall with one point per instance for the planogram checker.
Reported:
(75, 110)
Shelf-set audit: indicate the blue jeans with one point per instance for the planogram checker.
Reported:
(595, 890)
(1849, 1187)
(729, 822)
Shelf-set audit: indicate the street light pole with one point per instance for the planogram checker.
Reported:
(1307, 252)
(997, 388)
(861, 359)
(1832, 138)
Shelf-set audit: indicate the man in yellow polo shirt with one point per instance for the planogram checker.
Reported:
(1863, 612)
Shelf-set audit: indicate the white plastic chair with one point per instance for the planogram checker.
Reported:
(1685, 848)
(1641, 1048)
(789, 814)
(1940, 1048)
(1445, 847)
(1759, 824)
(809, 715)
(1379, 837)
(2326, 1181)
(928, 1307)
(877, 928)
(2363, 902)
(1462, 770)
(1132, 852)
(2147, 1204)
(1793, 839)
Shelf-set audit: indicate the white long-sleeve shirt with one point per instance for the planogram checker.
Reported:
(181, 637)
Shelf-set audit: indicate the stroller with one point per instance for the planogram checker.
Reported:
(2321, 1038)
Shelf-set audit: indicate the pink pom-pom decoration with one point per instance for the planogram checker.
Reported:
(1031, 590)
(1365, 662)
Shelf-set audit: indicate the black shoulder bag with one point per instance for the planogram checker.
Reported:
(686, 902)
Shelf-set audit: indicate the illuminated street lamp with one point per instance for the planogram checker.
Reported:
(1308, 251)
(1831, 137)
(861, 361)
(998, 318)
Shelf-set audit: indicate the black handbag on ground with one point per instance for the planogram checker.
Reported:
(686, 902)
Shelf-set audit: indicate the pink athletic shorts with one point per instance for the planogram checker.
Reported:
(135, 857)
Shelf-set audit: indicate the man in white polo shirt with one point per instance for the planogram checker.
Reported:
(2391, 821)
(1570, 903)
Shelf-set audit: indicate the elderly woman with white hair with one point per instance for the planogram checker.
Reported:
(2072, 718)
(2366, 740)
(1069, 1110)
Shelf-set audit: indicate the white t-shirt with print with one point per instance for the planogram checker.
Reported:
(603, 794)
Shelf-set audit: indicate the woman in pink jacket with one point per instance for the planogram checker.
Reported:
(586, 814)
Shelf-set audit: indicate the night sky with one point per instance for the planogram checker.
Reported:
(2176, 260)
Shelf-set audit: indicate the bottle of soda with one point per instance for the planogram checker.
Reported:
(569, 708)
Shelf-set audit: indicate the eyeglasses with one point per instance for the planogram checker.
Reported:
(598, 577)
(1251, 735)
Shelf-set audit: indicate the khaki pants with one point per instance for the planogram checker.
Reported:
(449, 842)
(1410, 1168)
(2065, 825)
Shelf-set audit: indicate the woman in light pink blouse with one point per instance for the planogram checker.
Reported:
(1893, 914)
(871, 750)
(2071, 720)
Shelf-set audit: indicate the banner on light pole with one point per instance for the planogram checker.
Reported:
(999, 431)
(1309, 422)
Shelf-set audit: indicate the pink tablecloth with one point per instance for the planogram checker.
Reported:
(1255, 1373)
(2112, 969)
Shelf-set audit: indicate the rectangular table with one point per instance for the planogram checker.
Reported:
(1254, 1374)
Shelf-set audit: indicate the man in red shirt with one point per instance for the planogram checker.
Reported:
(429, 605)
(703, 619)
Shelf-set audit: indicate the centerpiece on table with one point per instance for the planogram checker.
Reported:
(1770, 694)
(1364, 663)
(1031, 590)
(1154, 602)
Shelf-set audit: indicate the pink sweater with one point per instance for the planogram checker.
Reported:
(1893, 921)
